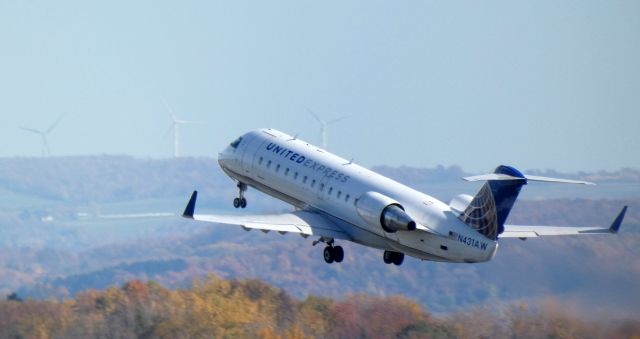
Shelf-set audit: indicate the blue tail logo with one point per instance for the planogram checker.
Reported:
(490, 208)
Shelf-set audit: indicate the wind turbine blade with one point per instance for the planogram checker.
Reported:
(31, 130)
(315, 115)
(54, 125)
(169, 109)
(338, 119)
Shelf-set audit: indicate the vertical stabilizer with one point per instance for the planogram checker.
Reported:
(490, 208)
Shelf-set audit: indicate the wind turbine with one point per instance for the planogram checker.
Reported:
(46, 151)
(324, 124)
(175, 126)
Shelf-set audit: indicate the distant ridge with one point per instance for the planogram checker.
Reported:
(105, 178)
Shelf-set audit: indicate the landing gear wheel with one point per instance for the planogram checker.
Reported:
(328, 255)
(387, 257)
(338, 253)
(398, 259)
(240, 201)
(391, 257)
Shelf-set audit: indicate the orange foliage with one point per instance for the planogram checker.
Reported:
(231, 308)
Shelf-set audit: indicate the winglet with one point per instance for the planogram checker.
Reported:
(191, 206)
(616, 223)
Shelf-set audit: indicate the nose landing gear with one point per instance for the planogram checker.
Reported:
(240, 201)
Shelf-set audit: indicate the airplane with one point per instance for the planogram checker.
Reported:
(336, 199)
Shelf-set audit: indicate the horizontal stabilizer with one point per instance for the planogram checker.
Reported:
(563, 181)
(498, 176)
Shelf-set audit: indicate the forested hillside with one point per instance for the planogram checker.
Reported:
(70, 224)
(216, 308)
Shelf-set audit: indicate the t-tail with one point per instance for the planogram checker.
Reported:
(489, 209)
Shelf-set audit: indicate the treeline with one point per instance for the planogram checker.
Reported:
(250, 308)
(214, 308)
(120, 178)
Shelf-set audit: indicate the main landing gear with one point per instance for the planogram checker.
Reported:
(391, 257)
(331, 253)
(240, 201)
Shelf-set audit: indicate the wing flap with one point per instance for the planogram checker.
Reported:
(303, 222)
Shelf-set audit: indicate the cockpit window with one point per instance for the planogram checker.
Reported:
(236, 142)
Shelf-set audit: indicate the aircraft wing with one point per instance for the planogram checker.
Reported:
(305, 223)
(522, 231)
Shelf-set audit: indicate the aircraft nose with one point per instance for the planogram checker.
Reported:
(226, 156)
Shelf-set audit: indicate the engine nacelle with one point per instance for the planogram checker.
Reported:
(380, 210)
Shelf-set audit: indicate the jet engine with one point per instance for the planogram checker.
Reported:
(380, 210)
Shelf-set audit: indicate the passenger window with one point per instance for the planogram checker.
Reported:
(321, 187)
(286, 172)
(313, 182)
(330, 190)
(295, 176)
(260, 161)
(339, 194)
(278, 168)
(304, 180)
(346, 198)
(269, 164)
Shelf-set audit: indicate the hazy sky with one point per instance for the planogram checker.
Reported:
(538, 84)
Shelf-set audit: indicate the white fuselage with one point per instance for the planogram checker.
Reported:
(312, 178)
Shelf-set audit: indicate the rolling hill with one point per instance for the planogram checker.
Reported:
(72, 223)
